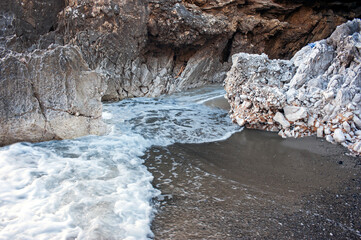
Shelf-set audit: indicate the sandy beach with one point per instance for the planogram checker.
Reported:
(256, 185)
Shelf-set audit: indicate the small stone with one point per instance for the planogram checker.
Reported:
(246, 104)
(311, 121)
(282, 134)
(288, 133)
(320, 132)
(357, 147)
(329, 138)
(293, 113)
(240, 121)
(358, 133)
(339, 136)
(348, 137)
(346, 126)
(357, 121)
(328, 95)
(334, 121)
(281, 120)
(327, 131)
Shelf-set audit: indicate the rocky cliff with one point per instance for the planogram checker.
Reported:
(318, 91)
(147, 48)
(152, 47)
(48, 94)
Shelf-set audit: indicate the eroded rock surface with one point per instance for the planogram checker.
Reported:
(318, 91)
(153, 47)
(49, 94)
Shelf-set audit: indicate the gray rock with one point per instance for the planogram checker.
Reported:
(293, 113)
(49, 94)
(339, 136)
(321, 82)
(281, 120)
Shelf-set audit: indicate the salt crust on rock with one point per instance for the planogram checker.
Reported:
(318, 91)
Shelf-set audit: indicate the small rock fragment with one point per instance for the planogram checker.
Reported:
(293, 113)
(320, 132)
(281, 120)
(339, 136)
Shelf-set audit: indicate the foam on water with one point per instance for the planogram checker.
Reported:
(97, 187)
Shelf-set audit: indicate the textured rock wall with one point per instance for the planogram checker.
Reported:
(152, 47)
(48, 94)
(318, 91)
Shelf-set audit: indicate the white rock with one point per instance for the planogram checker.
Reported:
(339, 136)
(357, 147)
(320, 132)
(357, 98)
(348, 137)
(240, 121)
(335, 120)
(311, 121)
(328, 95)
(346, 126)
(293, 113)
(288, 133)
(329, 138)
(282, 134)
(327, 131)
(281, 120)
(358, 132)
(357, 121)
(246, 104)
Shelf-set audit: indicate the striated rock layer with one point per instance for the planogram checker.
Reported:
(318, 91)
(48, 94)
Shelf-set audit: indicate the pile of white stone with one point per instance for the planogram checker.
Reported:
(318, 91)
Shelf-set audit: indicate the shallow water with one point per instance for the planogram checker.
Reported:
(256, 185)
(98, 187)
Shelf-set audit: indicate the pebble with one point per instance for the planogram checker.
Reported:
(329, 138)
(357, 121)
(346, 126)
(320, 132)
(240, 121)
(339, 136)
(281, 120)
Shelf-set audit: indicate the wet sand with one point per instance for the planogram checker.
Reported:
(256, 185)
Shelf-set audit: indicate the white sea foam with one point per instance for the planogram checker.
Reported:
(97, 187)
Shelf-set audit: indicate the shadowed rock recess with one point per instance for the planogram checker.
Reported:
(138, 48)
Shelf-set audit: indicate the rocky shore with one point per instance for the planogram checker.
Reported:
(143, 48)
(317, 92)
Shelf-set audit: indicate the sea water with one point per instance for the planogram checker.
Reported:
(96, 187)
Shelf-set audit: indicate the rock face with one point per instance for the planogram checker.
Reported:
(318, 91)
(152, 47)
(48, 94)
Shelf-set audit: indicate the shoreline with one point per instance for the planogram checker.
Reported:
(256, 185)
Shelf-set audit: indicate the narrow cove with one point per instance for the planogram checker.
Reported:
(175, 167)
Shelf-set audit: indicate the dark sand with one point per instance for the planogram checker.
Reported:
(256, 185)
